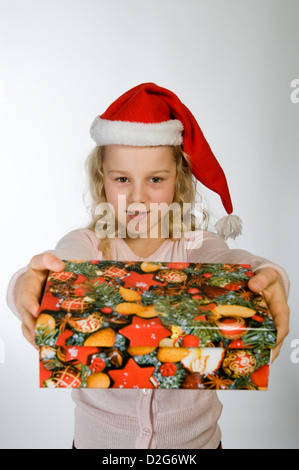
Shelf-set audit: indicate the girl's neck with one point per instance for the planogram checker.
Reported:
(144, 247)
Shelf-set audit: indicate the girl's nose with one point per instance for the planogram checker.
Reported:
(137, 194)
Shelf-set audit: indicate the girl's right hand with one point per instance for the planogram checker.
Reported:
(29, 290)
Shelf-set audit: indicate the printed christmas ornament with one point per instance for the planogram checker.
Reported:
(238, 363)
(76, 305)
(172, 275)
(89, 324)
(168, 369)
(114, 271)
(63, 276)
(66, 377)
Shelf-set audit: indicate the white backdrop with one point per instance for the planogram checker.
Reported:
(62, 63)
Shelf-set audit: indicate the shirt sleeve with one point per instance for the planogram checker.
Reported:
(78, 244)
(208, 247)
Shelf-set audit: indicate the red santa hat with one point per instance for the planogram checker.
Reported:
(149, 115)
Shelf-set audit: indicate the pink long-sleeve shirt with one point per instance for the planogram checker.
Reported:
(148, 419)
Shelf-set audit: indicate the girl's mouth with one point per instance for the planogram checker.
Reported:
(137, 215)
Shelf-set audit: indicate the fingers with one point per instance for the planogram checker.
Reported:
(275, 352)
(30, 287)
(269, 282)
(46, 262)
(34, 279)
(263, 279)
(27, 333)
(280, 312)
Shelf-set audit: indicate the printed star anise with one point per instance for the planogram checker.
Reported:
(247, 295)
(62, 289)
(132, 264)
(207, 289)
(217, 382)
(174, 290)
(230, 268)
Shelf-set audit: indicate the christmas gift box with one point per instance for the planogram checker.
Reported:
(108, 324)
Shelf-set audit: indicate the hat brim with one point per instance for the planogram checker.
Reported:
(138, 134)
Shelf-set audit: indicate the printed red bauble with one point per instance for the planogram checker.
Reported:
(238, 363)
(193, 290)
(97, 365)
(168, 369)
(65, 377)
(107, 310)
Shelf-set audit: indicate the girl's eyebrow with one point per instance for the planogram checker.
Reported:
(124, 171)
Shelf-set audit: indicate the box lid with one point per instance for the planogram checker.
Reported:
(149, 304)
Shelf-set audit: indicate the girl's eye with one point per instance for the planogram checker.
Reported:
(153, 178)
(157, 178)
(121, 178)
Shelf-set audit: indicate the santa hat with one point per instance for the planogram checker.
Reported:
(148, 115)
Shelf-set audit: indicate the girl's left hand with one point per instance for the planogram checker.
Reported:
(269, 282)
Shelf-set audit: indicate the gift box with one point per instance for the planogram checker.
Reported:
(117, 324)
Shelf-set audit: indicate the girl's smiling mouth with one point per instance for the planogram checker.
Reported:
(138, 215)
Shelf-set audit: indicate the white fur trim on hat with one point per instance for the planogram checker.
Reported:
(138, 134)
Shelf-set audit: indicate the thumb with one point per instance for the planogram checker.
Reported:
(46, 262)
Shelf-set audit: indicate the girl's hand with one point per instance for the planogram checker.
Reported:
(29, 289)
(269, 282)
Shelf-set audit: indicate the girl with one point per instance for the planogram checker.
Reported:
(150, 151)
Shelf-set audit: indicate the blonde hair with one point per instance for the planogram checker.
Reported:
(185, 192)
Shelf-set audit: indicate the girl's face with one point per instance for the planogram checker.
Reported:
(141, 175)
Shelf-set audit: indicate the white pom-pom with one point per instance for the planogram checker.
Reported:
(229, 227)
